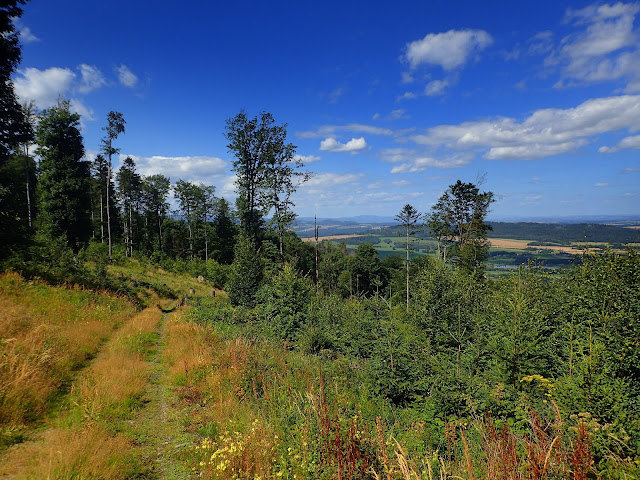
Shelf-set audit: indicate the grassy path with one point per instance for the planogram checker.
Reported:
(117, 421)
(158, 427)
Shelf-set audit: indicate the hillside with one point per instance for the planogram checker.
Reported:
(310, 386)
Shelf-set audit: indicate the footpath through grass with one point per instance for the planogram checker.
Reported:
(85, 389)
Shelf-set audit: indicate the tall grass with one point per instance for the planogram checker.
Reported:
(45, 334)
(89, 440)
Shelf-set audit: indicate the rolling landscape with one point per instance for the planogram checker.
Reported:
(439, 280)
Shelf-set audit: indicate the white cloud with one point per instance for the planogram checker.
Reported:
(91, 78)
(306, 159)
(398, 114)
(227, 187)
(25, 33)
(420, 164)
(329, 130)
(541, 43)
(396, 155)
(327, 180)
(126, 77)
(628, 142)
(449, 50)
(400, 183)
(546, 132)
(407, 78)
(43, 87)
(407, 96)
(354, 145)
(605, 47)
(600, 185)
(46, 87)
(27, 36)
(435, 87)
(80, 108)
(189, 168)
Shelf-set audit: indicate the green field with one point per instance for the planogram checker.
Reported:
(501, 260)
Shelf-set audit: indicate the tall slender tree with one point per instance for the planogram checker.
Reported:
(189, 196)
(408, 218)
(115, 126)
(155, 190)
(205, 210)
(129, 191)
(282, 179)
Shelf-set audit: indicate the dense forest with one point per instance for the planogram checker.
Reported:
(534, 372)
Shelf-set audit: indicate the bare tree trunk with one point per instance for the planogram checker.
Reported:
(101, 219)
(315, 229)
(206, 240)
(130, 229)
(407, 267)
(108, 212)
(26, 164)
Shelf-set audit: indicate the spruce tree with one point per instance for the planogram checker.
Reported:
(64, 187)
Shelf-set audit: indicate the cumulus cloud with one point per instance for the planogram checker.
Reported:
(46, 87)
(448, 50)
(189, 168)
(354, 145)
(435, 87)
(625, 143)
(329, 130)
(307, 158)
(546, 132)
(91, 78)
(43, 87)
(605, 46)
(126, 77)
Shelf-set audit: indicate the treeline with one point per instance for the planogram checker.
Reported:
(565, 233)
(67, 199)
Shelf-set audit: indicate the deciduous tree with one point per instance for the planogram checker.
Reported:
(458, 221)
(115, 126)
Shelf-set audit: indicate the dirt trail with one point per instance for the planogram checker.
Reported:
(83, 438)
(158, 426)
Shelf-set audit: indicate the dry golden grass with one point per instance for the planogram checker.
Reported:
(85, 452)
(121, 371)
(330, 237)
(522, 244)
(105, 392)
(46, 332)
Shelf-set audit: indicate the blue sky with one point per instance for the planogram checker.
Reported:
(387, 102)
